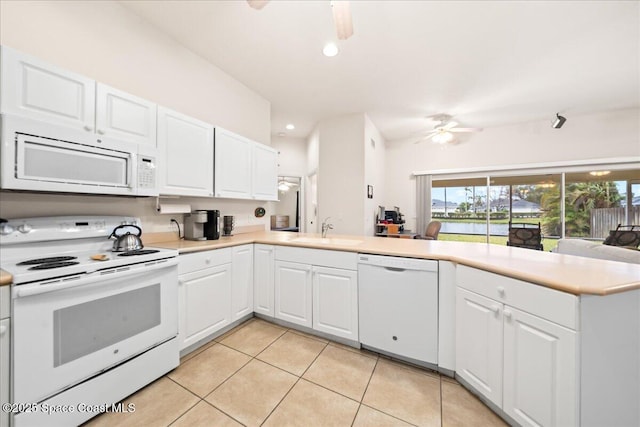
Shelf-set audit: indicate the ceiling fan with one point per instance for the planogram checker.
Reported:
(341, 16)
(443, 132)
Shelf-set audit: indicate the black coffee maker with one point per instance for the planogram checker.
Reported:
(212, 226)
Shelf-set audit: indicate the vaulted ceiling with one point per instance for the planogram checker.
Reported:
(487, 63)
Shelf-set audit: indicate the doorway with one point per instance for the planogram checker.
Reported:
(287, 211)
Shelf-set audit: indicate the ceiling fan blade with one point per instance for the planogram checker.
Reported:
(450, 125)
(465, 130)
(342, 18)
(257, 4)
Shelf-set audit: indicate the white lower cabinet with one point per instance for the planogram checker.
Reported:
(293, 293)
(242, 281)
(204, 294)
(479, 343)
(263, 279)
(525, 364)
(335, 302)
(322, 295)
(5, 351)
(539, 379)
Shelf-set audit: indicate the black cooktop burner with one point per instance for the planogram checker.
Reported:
(50, 265)
(54, 259)
(139, 252)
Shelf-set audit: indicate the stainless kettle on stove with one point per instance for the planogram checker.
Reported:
(126, 242)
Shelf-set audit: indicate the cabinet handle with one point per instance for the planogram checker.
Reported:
(100, 131)
(507, 314)
(501, 290)
(495, 309)
(88, 128)
(207, 261)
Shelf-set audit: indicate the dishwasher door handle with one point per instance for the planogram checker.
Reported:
(395, 269)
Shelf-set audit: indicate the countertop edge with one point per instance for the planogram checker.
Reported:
(185, 247)
(5, 278)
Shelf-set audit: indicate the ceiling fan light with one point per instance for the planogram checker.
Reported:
(342, 19)
(330, 50)
(257, 4)
(442, 137)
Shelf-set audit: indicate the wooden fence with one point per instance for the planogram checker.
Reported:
(605, 219)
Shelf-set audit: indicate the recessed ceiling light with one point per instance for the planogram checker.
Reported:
(330, 49)
(599, 173)
(290, 127)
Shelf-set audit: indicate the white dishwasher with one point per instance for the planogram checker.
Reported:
(398, 306)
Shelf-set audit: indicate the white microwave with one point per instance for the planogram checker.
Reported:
(38, 156)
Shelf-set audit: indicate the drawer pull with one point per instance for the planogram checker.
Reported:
(501, 290)
(495, 309)
(507, 314)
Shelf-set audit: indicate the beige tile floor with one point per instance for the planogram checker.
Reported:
(263, 374)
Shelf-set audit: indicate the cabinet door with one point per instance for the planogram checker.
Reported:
(185, 160)
(242, 284)
(335, 302)
(34, 89)
(263, 279)
(120, 115)
(479, 343)
(293, 293)
(4, 368)
(232, 165)
(205, 303)
(540, 369)
(265, 172)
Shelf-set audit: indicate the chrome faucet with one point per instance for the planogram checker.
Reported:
(326, 227)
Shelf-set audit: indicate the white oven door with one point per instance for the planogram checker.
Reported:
(51, 165)
(70, 330)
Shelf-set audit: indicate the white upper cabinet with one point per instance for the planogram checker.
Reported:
(244, 169)
(37, 90)
(265, 172)
(34, 89)
(120, 115)
(185, 155)
(232, 165)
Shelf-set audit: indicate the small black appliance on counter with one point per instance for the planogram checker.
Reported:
(212, 226)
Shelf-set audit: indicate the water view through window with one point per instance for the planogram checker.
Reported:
(592, 205)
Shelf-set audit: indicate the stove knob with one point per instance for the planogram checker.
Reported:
(6, 229)
(24, 228)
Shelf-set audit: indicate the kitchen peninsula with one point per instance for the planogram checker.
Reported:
(536, 335)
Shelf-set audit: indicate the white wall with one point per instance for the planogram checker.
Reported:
(311, 197)
(292, 155)
(374, 173)
(106, 42)
(594, 136)
(341, 189)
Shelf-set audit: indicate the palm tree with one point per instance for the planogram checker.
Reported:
(581, 198)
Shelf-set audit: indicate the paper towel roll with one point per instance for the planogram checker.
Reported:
(172, 208)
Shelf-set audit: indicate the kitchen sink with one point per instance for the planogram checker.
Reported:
(326, 241)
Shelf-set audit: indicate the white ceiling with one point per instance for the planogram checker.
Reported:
(488, 63)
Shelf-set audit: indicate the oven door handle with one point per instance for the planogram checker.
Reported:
(89, 279)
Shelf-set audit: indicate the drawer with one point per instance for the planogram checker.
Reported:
(5, 301)
(189, 263)
(550, 304)
(320, 257)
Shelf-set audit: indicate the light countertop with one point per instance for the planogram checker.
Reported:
(5, 278)
(567, 273)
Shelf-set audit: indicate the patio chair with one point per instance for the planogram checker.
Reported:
(524, 235)
(624, 235)
(431, 233)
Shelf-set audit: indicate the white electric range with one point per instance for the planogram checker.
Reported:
(89, 326)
